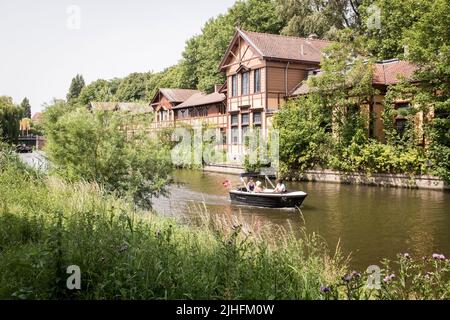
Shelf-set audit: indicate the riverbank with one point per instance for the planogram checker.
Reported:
(47, 224)
(425, 182)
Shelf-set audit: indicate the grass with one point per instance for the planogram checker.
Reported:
(47, 225)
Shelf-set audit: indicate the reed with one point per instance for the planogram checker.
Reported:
(47, 224)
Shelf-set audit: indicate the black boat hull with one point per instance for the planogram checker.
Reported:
(286, 200)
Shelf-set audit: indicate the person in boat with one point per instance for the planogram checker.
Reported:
(258, 187)
(251, 185)
(280, 188)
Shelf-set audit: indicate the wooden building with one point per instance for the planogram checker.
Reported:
(386, 73)
(164, 102)
(262, 70)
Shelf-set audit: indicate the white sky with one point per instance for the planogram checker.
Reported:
(40, 51)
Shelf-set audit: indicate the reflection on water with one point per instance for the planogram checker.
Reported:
(371, 223)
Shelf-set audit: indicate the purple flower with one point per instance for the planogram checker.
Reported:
(325, 289)
(356, 275)
(437, 256)
(389, 278)
(347, 278)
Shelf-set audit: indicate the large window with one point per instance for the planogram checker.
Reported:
(245, 139)
(245, 119)
(245, 84)
(234, 120)
(164, 115)
(257, 81)
(235, 135)
(257, 118)
(234, 85)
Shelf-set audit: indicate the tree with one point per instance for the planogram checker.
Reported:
(10, 115)
(303, 126)
(396, 17)
(132, 88)
(26, 107)
(320, 17)
(428, 45)
(99, 91)
(76, 86)
(94, 146)
(204, 52)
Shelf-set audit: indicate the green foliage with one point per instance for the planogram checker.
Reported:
(47, 225)
(397, 17)
(204, 52)
(10, 115)
(96, 147)
(428, 42)
(370, 156)
(303, 126)
(26, 108)
(99, 91)
(132, 88)
(76, 86)
(319, 17)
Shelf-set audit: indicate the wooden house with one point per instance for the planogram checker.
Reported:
(261, 70)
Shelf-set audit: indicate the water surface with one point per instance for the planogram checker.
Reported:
(371, 223)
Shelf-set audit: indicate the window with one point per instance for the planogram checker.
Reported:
(400, 125)
(245, 84)
(164, 115)
(234, 85)
(257, 118)
(244, 132)
(234, 120)
(257, 81)
(245, 119)
(235, 135)
(222, 108)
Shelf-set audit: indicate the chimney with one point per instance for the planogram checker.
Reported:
(217, 88)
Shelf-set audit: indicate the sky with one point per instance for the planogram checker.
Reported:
(45, 43)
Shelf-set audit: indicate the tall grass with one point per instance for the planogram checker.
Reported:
(47, 225)
(123, 253)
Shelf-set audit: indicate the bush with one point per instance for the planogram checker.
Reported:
(304, 136)
(98, 147)
(47, 225)
(375, 157)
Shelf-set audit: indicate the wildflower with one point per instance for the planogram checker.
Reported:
(158, 233)
(325, 289)
(356, 275)
(406, 256)
(389, 278)
(347, 278)
(437, 256)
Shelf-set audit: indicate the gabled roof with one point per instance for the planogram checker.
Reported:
(175, 95)
(134, 107)
(105, 106)
(277, 47)
(201, 99)
(131, 107)
(390, 71)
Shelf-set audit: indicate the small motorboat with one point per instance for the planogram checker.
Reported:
(268, 198)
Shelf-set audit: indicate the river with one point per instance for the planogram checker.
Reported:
(370, 223)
